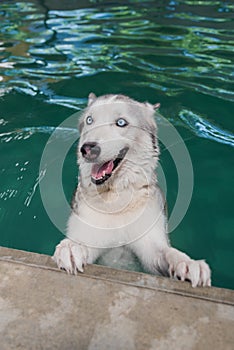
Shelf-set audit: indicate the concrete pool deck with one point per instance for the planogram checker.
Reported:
(103, 308)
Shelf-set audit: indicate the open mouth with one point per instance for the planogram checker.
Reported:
(100, 173)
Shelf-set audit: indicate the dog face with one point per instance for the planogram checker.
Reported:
(118, 140)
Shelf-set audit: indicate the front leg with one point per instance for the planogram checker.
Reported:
(72, 257)
(185, 268)
(158, 257)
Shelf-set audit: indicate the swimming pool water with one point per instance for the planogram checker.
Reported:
(178, 53)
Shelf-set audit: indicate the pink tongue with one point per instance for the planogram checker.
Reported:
(97, 172)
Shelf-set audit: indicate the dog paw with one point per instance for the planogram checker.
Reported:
(70, 256)
(181, 266)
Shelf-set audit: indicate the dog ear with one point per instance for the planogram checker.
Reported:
(92, 97)
(156, 106)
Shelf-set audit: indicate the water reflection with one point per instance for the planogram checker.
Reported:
(54, 45)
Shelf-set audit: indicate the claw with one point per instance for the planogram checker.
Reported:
(183, 267)
(181, 270)
(70, 256)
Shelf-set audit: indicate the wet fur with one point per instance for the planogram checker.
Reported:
(128, 210)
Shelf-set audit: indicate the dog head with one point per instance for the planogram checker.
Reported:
(118, 141)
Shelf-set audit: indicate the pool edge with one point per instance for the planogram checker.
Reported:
(131, 278)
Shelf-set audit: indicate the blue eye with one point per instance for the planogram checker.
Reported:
(89, 120)
(121, 122)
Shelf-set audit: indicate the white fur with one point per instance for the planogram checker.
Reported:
(128, 209)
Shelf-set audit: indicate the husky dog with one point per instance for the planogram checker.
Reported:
(117, 202)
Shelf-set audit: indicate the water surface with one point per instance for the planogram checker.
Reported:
(178, 53)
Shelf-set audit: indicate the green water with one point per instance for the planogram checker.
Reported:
(178, 53)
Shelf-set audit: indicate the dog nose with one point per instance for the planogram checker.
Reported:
(90, 150)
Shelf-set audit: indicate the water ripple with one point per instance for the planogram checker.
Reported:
(203, 128)
(191, 40)
(27, 132)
